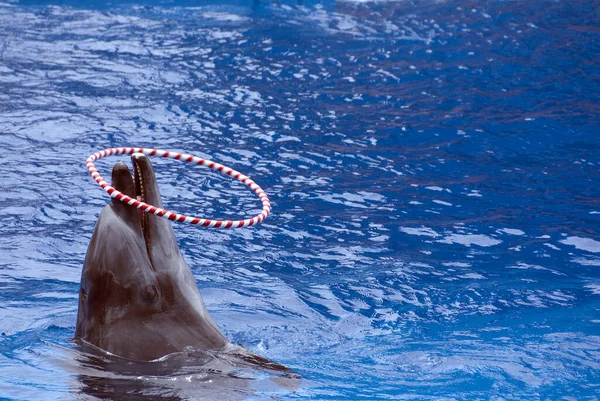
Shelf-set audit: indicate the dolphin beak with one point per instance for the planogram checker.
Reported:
(158, 233)
(123, 182)
(145, 180)
(146, 190)
(141, 186)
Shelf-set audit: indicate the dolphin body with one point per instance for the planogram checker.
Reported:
(138, 298)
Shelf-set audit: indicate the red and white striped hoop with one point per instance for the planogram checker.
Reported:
(173, 216)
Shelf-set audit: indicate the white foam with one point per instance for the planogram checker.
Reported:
(584, 244)
(474, 276)
(221, 16)
(470, 239)
(426, 231)
(456, 264)
(586, 261)
(511, 231)
(439, 202)
(594, 288)
(380, 238)
(526, 266)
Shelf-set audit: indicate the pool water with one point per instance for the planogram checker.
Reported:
(433, 168)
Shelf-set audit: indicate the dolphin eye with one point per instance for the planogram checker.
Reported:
(151, 293)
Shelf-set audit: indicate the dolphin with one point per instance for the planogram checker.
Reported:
(138, 299)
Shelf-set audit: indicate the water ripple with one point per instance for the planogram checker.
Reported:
(433, 171)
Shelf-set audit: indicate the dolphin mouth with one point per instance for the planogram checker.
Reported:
(141, 189)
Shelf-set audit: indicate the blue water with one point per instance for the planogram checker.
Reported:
(433, 168)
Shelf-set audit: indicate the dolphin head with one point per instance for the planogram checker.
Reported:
(138, 298)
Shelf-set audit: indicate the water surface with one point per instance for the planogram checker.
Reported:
(433, 168)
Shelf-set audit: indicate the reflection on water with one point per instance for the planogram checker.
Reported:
(193, 374)
(433, 169)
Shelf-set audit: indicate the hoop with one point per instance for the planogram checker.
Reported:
(173, 216)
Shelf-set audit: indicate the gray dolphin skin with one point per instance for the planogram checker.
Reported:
(138, 298)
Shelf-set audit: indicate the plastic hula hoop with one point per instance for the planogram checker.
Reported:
(170, 215)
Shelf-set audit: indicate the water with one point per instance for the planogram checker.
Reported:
(433, 168)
